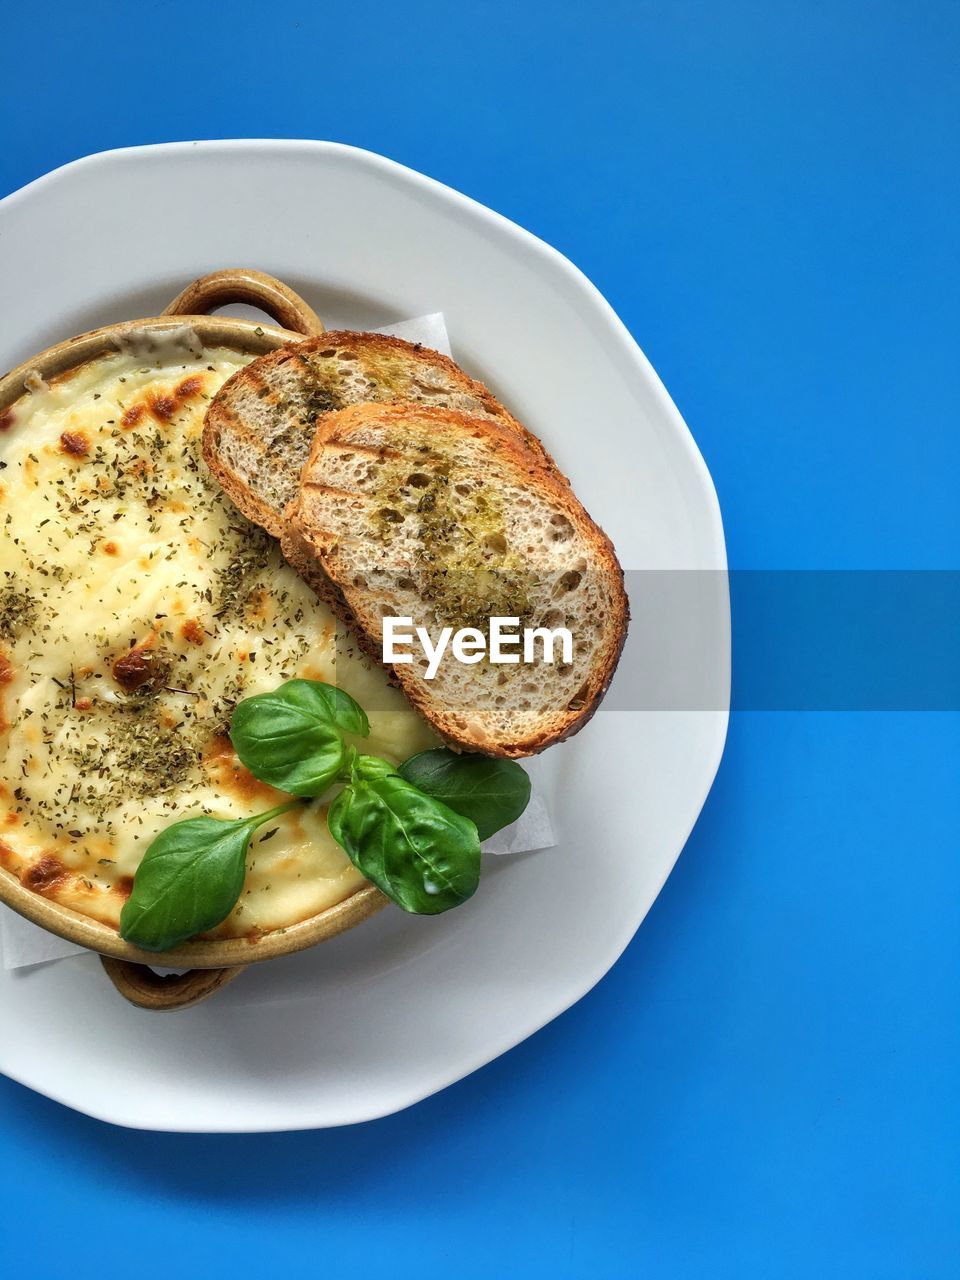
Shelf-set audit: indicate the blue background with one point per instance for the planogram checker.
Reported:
(766, 1085)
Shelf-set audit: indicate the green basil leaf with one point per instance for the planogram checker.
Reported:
(346, 713)
(189, 880)
(421, 854)
(492, 793)
(290, 738)
(370, 767)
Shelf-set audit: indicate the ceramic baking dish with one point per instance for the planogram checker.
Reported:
(210, 964)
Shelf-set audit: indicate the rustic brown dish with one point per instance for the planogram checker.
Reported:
(209, 964)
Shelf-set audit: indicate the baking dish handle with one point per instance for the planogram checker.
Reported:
(256, 289)
(159, 992)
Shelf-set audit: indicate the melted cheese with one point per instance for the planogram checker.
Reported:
(120, 560)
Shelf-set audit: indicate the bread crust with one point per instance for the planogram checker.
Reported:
(240, 494)
(311, 550)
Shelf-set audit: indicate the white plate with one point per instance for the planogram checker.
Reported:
(401, 1007)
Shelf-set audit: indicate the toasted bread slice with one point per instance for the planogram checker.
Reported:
(449, 519)
(260, 424)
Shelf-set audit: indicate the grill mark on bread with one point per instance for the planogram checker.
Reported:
(240, 437)
(370, 451)
(327, 488)
(234, 420)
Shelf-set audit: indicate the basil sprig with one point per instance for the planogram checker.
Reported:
(417, 850)
(189, 880)
(414, 831)
(490, 791)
